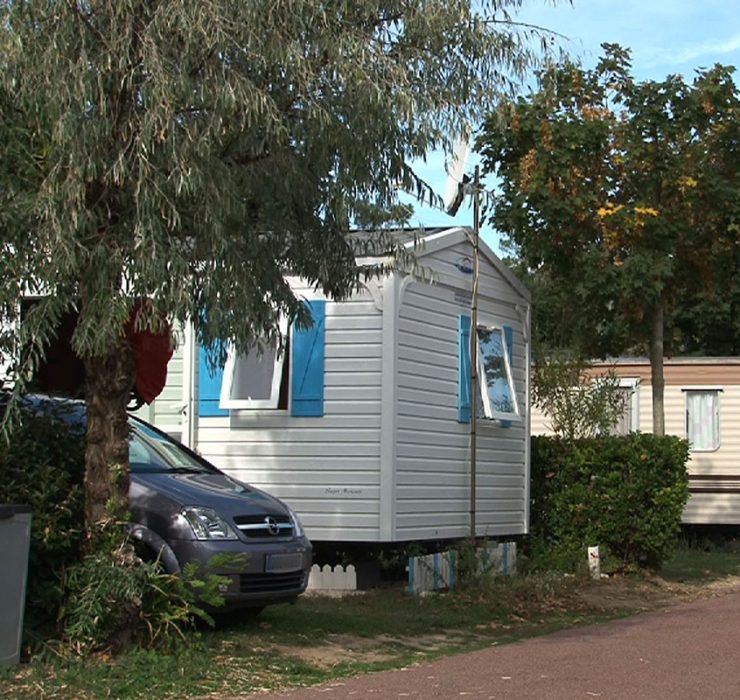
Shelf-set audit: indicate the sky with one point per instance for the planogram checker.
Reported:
(665, 37)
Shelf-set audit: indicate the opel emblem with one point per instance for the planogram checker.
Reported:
(272, 525)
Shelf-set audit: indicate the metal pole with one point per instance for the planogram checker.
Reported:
(474, 350)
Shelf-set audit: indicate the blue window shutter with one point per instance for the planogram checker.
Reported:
(209, 387)
(509, 340)
(463, 376)
(307, 365)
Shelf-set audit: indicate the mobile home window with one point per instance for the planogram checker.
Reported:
(496, 382)
(292, 378)
(256, 379)
(702, 419)
(629, 420)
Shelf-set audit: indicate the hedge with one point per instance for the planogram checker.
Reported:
(43, 466)
(625, 494)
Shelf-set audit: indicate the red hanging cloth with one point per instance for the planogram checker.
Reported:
(152, 352)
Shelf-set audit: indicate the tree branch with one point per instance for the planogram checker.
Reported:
(85, 19)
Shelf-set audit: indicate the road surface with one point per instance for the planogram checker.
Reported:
(689, 651)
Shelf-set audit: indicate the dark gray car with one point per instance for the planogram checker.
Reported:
(183, 509)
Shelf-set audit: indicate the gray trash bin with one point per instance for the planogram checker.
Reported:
(15, 539)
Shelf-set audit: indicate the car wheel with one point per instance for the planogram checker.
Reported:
(148, 555)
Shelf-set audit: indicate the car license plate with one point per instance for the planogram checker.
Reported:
(283, 561)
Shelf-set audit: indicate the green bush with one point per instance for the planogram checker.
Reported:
(625, 494)
(43, 466)
(115, 599)
(579, 402)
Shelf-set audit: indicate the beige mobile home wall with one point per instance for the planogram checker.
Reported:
(714, 477)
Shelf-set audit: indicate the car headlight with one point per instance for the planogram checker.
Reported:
(297, 526)
(207, 524)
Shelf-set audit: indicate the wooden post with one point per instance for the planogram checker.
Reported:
(474, 351)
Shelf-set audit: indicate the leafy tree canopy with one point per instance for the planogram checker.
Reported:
(619, 199)
(193, 151)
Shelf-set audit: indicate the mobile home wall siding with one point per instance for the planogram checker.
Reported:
(327, 468)
(541, 424)
(714, 477)
(167, 410)
(724, 461)
(720, 506)
(433, 465)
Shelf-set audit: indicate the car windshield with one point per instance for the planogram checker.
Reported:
(150, 452)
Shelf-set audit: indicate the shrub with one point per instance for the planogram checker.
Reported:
(114, 599)
(625, 494)
(578, 402)
(43, 466)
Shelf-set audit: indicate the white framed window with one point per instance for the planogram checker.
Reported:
(255, 380)
(496, 382)
(629, 421)
(702, 418)
(292, 379)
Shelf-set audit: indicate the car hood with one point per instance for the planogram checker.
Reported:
(225, 495)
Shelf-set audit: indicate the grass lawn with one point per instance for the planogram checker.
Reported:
(321, 638)
(702, 564)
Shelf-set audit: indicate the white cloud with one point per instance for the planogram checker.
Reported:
(711, 50)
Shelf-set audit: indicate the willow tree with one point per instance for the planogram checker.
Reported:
(619, 198)
(191, 151)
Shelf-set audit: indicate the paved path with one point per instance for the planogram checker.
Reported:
(687, 651)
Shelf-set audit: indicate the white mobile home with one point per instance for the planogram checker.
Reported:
(364, 425)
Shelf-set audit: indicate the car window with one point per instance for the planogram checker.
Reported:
(143, 458)
(150, 452)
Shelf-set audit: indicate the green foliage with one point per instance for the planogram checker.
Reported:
(624, 494)
(42, 466)
(114, 599)
(620, 201)
(200, 151)
(579, 404)
(195, 154)
(469, 566)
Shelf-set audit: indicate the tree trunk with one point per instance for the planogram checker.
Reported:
(656, 368)
(733, 294)
(109, 381)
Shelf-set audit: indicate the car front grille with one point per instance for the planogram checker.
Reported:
(270, 583)
(266, 525)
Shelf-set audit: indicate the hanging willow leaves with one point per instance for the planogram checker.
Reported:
(193, 151)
